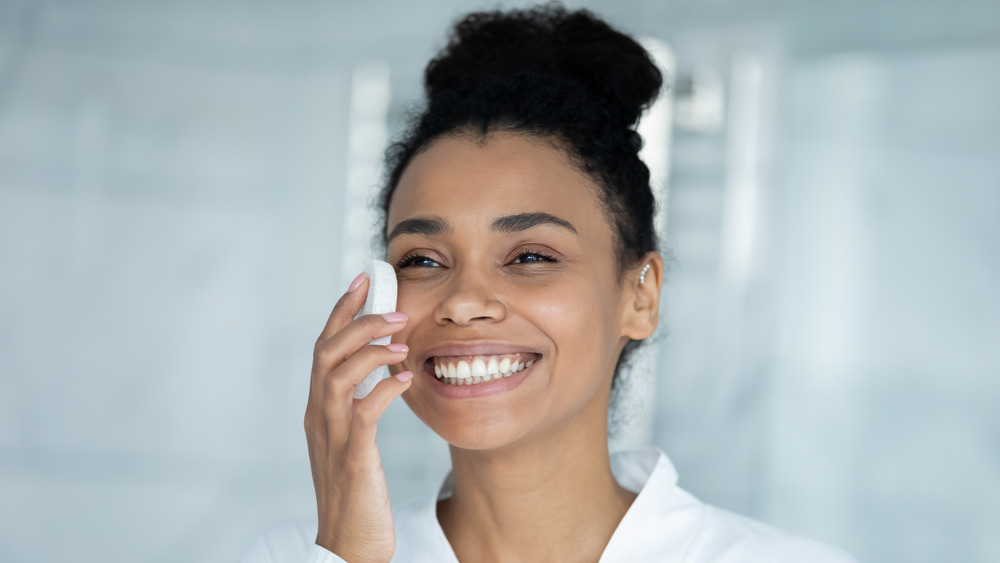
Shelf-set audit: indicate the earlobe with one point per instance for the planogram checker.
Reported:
(642, 297)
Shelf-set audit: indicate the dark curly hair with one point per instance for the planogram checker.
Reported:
(566, 76)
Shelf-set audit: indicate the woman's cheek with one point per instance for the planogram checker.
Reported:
(557, 303)
(404, 305)
(417, 302)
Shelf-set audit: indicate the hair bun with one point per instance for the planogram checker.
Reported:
(617, 73)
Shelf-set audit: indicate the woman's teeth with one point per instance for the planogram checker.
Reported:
(479, 369)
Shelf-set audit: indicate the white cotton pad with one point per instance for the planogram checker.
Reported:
(381, 299)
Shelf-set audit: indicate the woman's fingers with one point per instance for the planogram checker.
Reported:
(332, 394)
(333, 351)
(367, 411)
(347, 307)
(339, 384)
(343, 361)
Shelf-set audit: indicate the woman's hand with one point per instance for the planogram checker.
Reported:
(355, 521)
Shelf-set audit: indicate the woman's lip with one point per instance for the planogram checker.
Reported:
(475, 390)
(482, 348)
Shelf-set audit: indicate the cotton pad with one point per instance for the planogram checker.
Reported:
(381, 299)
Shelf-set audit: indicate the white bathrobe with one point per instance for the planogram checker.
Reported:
(665, 524)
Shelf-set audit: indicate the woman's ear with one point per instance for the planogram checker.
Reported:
(641, 311)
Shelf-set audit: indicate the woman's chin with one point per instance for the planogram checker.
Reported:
(481, 432)
(482, 442)
(486, 423)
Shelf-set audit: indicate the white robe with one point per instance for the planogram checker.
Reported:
(665, 524)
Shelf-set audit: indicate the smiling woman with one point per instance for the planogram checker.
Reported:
(519, 219)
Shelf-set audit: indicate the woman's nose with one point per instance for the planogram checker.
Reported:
(470, 298)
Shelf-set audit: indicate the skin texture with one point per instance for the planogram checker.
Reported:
(520, 457)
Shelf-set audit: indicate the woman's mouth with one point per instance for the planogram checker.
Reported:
(473, 370)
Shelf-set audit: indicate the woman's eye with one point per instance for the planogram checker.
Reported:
(532, 258)
(417, 262)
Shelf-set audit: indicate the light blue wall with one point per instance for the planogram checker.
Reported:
(171, 209)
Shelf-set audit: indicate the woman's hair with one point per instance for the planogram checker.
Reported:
(565, 76)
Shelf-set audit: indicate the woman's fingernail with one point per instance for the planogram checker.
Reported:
(405, 376)
(395, 317)
(357, 282)
(397, 347)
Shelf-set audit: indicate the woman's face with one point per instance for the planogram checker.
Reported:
(506, 267)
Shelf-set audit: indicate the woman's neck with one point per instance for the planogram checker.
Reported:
(552, 497)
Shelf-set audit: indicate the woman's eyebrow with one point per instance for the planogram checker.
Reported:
(524, 221)
(419, 226)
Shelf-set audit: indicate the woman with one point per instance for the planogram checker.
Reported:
(519, 219)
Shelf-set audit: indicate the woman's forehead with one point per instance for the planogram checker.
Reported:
(505, 174)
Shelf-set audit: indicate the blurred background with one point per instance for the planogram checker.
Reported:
(183, 197)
